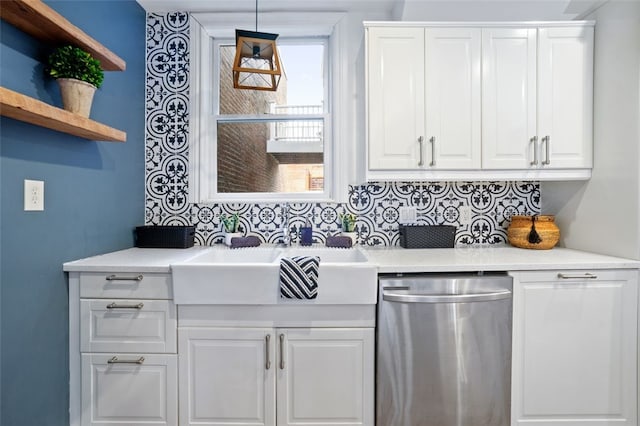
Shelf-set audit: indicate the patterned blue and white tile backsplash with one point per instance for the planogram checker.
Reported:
(376, 205)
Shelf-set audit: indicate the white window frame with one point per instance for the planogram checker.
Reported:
(208, 32)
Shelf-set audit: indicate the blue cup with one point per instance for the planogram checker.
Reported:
(306, 236)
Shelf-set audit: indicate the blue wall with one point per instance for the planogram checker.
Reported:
(94, 197)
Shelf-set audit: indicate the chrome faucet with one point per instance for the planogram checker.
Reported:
(286, 232)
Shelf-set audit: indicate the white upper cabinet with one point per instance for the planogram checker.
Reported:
(537, 98)
(396, 97)
(453, 98)
(565, 97)
(500, 101)
(424, 98)
(508, 97)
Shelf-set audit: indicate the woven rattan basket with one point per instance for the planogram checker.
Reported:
(520, 232)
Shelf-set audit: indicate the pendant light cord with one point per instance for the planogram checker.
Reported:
(256, 15)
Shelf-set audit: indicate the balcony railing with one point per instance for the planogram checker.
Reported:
(295, 109)
(297, 131)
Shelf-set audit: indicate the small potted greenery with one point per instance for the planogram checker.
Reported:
(231, 226)
(348, 226)
(78, 75)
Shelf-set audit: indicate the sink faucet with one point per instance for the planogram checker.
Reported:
(286, 232)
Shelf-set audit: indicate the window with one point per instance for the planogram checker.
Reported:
(250, 145)
(271, 142)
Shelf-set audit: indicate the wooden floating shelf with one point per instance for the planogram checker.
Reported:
(24, 108)
(39, 20)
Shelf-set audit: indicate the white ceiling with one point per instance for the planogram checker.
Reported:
(424, 10)
(265, 5)
(497, 10)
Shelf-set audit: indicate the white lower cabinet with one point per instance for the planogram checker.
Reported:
(226, 376)
(575, 348)
(129, 389)
(276, 376)
(122, 350)
(325, 377)
(134, 325)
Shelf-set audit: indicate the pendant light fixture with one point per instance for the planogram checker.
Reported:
(257, 64)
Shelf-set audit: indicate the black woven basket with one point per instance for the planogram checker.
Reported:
(165, 236)
(433, 236)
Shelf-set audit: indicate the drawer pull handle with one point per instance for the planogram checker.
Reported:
(545, 140)
(114, 305)
(432, 139)
(586, 275)
(534, 142)
(267, 339)
(117, 278)
(115, 360)
(282, 352)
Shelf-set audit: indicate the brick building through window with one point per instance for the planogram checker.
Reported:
(266, 156)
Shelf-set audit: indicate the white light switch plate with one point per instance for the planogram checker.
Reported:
(407, 215)
(33, 195)
(465, 215)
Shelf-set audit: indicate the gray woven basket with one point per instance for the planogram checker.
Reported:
(427, 236)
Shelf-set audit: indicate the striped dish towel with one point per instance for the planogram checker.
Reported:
(299, 277)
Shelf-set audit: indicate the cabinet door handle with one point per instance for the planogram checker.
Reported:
(432, 139)
(586, 275)
(117, 278)
(420, 143)
(267, 340)
(115, 360)
(546, 140)
(534, 142)
(282, 352)
(114, 305)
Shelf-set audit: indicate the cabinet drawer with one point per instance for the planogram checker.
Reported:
(129, 389)
(125, 285)
(573, 276)
(575, 343)
(132, 325)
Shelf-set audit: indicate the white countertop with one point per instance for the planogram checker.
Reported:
(388, 260)
(490, 258)
(134, 260)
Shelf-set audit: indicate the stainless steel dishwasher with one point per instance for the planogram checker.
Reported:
(444, 350)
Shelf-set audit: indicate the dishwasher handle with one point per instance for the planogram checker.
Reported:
(445, 298)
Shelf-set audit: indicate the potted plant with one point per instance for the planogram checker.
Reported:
(348, 226)
(78, 75)
(231, 226)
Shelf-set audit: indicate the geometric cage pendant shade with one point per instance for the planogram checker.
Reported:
(257, 64)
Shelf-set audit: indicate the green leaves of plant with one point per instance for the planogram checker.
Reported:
(73, 62)
(230, 223)
(348, 222)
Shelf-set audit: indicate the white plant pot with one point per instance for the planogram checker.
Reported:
(77, 95)
(229, 235)
(352, 235)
